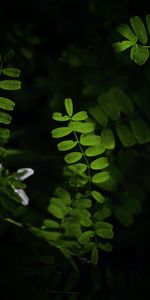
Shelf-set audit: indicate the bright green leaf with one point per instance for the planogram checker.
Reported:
(90, 140)
(139, 54)
(66, 145)
(127, 32)
(72, 157)
(98, 197)
(98, 114)
(85, 237)
(12, 72)
(10, 85)
(94, 150)
(57, 116)
(99, 163)
(82, 127)
(6, 104)
(139, 29)
(69, 106)
(121, 46)
(61, 132)
(51, 224)
(80, 116)
(100, 177)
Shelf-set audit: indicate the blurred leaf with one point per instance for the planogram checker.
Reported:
(104, 230)
(98, 197)
(80, 116)
(123, 216)
(5, 118)
(139, 54)
(94, 150)
(100, 177)
(121, 46)
(125, 135)
(148, 23)
(94, 256)
(90, 140)
(6, 104)
(140, 130)
(139, 29)
(10, 85)
(85, 237)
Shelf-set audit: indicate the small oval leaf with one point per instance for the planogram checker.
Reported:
(61, 132)
(10, 85)
(5, 118)
(69, 106)
(108, 140)
(99, 163)
(139, 54)
(80, 116)
(72, 157)
(90, 140)
(82, 127)
(6, 104)
(66, 145)
(127, 32)
(94, 150)
(98, 197)
(100, 177)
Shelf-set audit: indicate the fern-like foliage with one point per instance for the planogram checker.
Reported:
(76, 224)
(7, 83)
(136, 38)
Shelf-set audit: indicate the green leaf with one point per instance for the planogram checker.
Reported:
(51, 224)
(127, 32)
(99, 163)
(5, 118)
(56, 211)
(98, 197)
(108, 140)
(49, 236)
(12, 72)
(4, 133)
(100, 177)
(97, 113)
(80, 116)
(103, 213)
(69, 106)
(10, 85)
(90, 140)
(125, 135)
(73, 230)
(139, 54)
(94, 150)
(66, 145)
(61, 132)
(82, 127)
(107, 247)
(57, 116)
(139, 29)
(140, 130)
(94, 256)
(85, 237)
(72, 157)
(78, 168)
(62, 193)
(109, 105)
(6, 104)
(82, 203)
(121, 46)
(148, 23)
(104, 230)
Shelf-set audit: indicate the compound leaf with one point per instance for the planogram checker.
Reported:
(80, 116)
(94, 150)
(98, 197)
(10, 85)
(6, 104)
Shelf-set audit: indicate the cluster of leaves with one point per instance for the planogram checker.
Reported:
(139, 53)
(78, 224)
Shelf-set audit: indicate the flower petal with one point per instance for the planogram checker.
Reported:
(23, 196)
(26, 172)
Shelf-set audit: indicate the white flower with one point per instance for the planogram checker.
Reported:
(24, 198)
(27, 172)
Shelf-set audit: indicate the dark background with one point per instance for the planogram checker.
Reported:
(64, 49)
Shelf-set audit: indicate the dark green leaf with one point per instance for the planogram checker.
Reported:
(108, 140)
(139, 29)
(6, 104)
(125, 135)
(56, 211)
(98, 197)
(51, 224)
(99, 115)
(82, 127)
(107, 247)
(5, 118)
(123, 216)
(12, 72)
(140, 130)
(78, 168)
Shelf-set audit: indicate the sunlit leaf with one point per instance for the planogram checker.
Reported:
(121, 46)
(78, 168)
(57, 116)
(69, 106)
(5, 118)
(12, 72)
(10, 85)
(61, 132)
(82, 127)
(140, 130)
(99, 163)
(98, 197)
(66, 145)
(80, 116)
(139, 29)
(127, 32)
(100, 177)
(94, 150)
(6, 104)
(90, 140)
(139, 54)
(72, 157)
(94, 256)
(108, 140)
